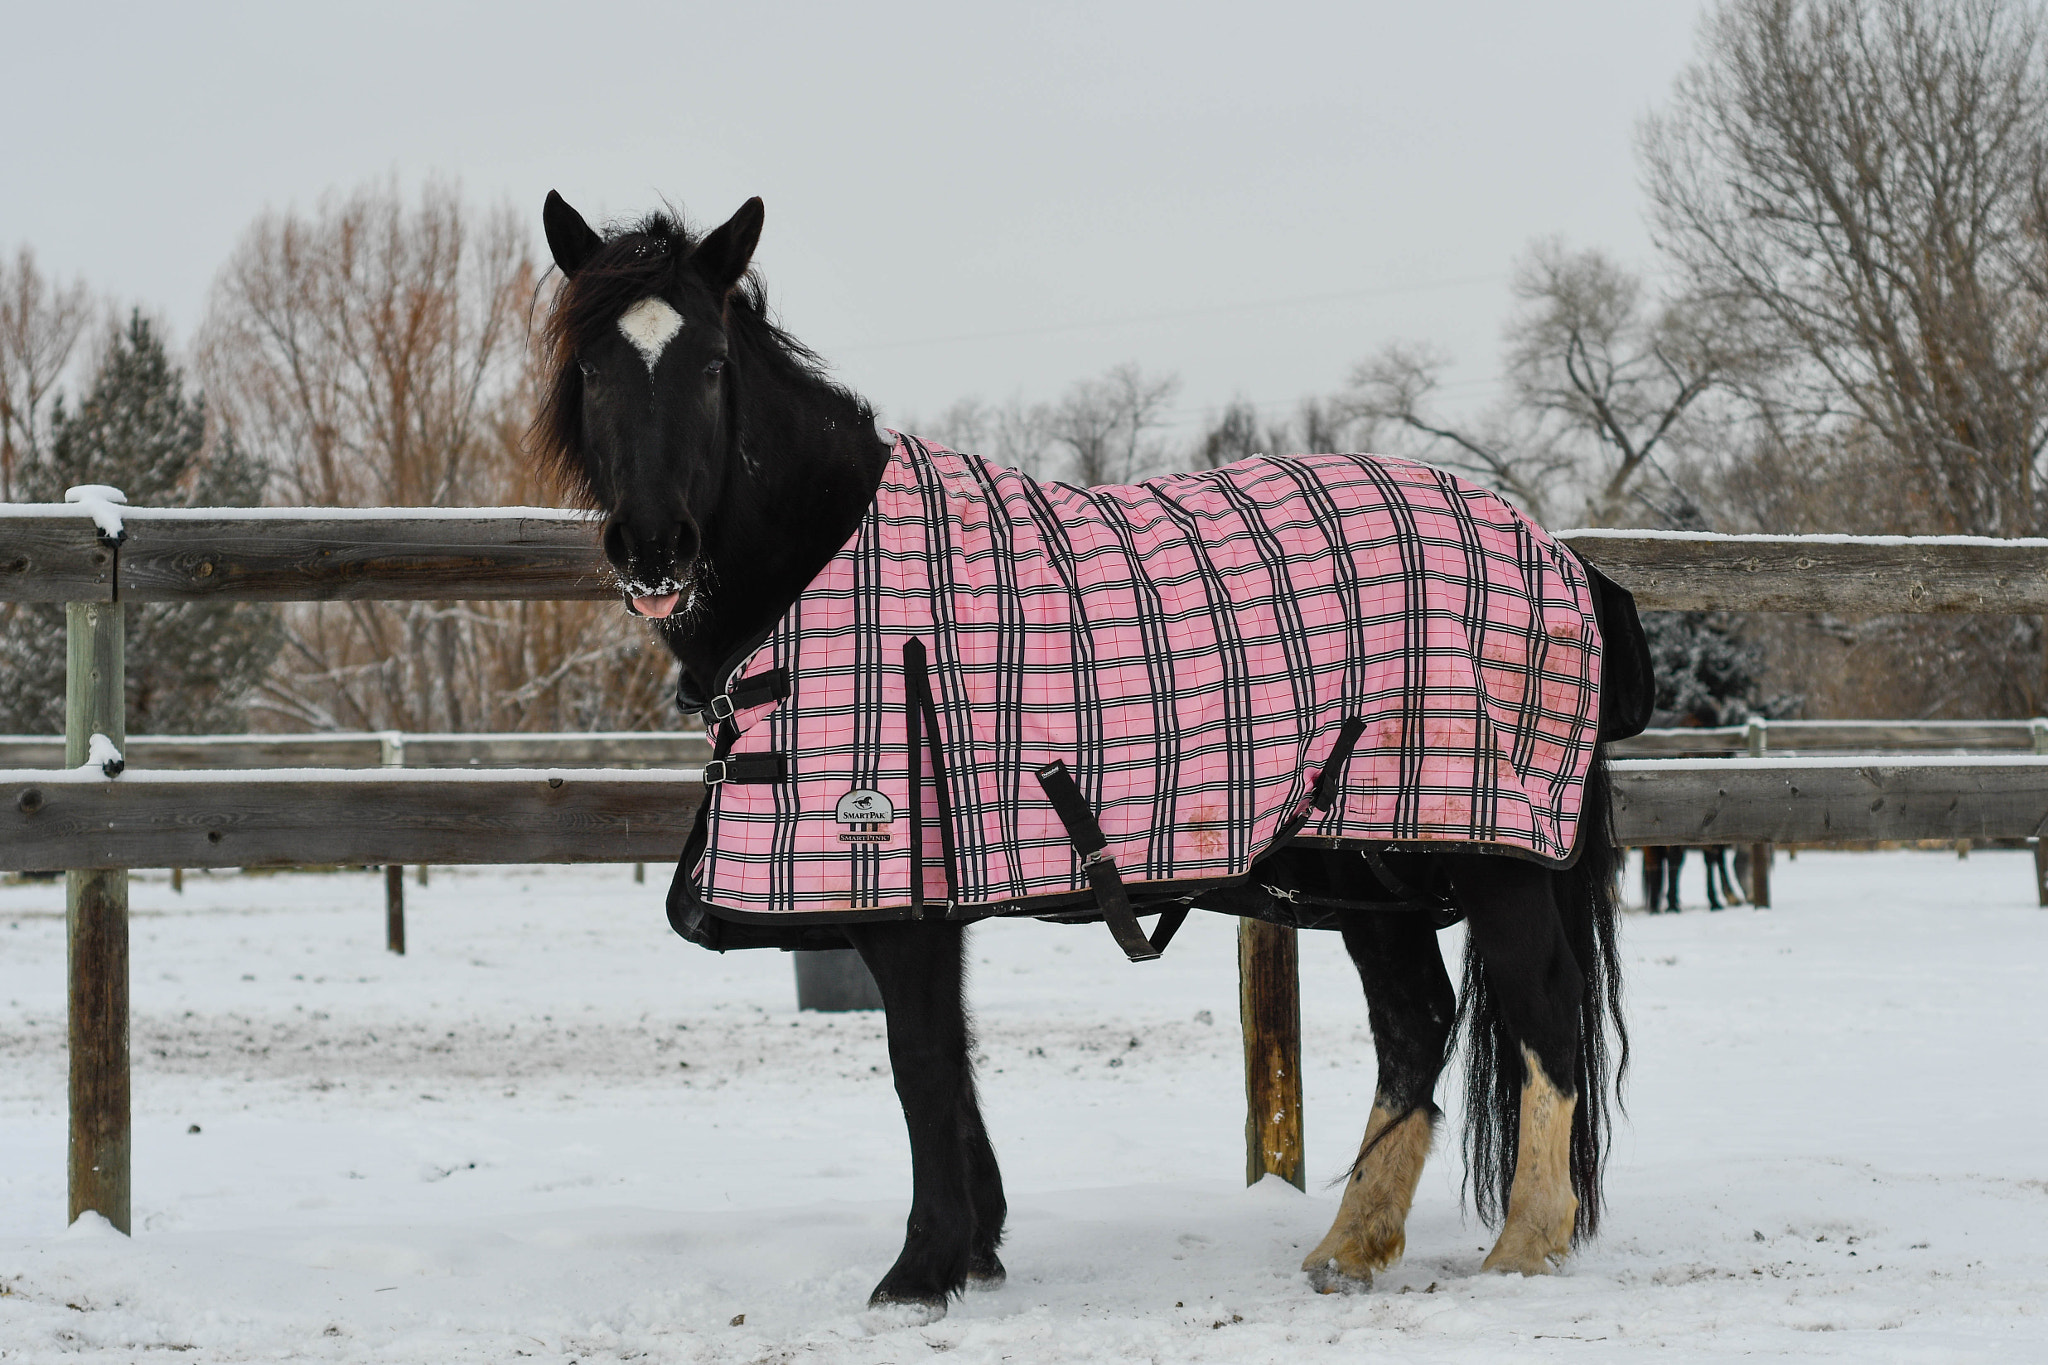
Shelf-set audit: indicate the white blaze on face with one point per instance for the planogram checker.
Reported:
(650, 325)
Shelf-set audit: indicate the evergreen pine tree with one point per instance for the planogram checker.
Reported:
(1706, 673)
(190, 665)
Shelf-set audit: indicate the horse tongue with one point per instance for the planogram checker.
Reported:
(657, 607)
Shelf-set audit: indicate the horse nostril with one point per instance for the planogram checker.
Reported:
(686, 541)
(618, 546)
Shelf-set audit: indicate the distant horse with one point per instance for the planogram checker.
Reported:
(1662, 866)
(740, 490)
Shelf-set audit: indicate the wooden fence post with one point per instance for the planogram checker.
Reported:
(1759, 887)
(394, 908)
(1269, 1006)
(391, 745)
(96, 920)
(2040, 728)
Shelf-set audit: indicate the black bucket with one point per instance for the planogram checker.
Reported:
(834, 979)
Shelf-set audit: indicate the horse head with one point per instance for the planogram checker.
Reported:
(642, 417)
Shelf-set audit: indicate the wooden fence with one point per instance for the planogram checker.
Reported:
(77, 819)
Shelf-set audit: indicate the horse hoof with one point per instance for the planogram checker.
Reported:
(986, 1275)
(1327, 1279)
(1526, 1255)
(889, 1312)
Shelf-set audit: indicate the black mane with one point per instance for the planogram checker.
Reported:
(651, 257)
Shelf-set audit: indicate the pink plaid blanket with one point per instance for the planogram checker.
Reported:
(1190, 648)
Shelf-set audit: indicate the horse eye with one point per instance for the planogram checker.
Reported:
(715, 367)
(589, 370)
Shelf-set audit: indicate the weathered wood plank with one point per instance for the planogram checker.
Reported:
(166, 819)
(324, 555)
(54, 559)
(1827, 800)
(1269, 1007)
(163, 819)
(1834, 736)
(315, 557)
(661, 749)
(689, 748)
(1866, 575)
(658, 749)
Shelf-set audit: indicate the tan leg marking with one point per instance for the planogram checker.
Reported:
(1369, 1233)
(1541, 1206)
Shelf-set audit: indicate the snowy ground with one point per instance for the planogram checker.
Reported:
(555, 1132)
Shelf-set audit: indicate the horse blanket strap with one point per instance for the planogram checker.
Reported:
(920, 719)
(1096, 861)
(772, 686)
(756, 768)
(1189, 647)
(1330, 780)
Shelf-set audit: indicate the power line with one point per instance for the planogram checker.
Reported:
(1178, 315)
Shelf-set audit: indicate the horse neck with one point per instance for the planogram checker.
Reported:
(799, 479)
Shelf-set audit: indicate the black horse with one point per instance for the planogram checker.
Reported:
(730, 470)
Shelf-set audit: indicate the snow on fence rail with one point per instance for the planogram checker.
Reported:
(96, 555)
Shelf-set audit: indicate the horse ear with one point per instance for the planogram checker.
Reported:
(569, 237)
(722, 257)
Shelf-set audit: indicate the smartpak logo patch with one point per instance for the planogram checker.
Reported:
(867, 812)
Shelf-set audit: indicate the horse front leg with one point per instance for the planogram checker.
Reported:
(956, 1205)
(1412, 1007)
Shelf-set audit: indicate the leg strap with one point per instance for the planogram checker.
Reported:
(1086, 836)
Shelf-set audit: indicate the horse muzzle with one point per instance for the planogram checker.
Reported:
(654, 562)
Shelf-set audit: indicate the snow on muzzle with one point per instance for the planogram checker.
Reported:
(653, 565)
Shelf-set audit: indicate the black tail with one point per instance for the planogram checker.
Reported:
(1589, 901)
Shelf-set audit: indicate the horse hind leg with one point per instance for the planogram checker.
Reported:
(1532, 988)
(1412, 1007)
(1537, 1233)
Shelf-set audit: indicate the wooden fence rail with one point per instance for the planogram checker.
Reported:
(54, 553)
(373, 748)
(62, 554)
(1831, 737)
(273, 818)
(690, 748)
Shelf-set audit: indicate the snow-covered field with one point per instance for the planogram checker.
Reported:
(555, 1132)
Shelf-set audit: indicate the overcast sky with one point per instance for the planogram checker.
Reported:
(961, 199)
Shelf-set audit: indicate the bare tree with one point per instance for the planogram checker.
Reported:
(40, 326)
(1390, 395)
(1867, 181)
(1014, 433)
(1233, 436)
(377, 353)
(1615, 371)
(1106, 424)
(1319, 428)
(363, 349)
(1600, 380)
